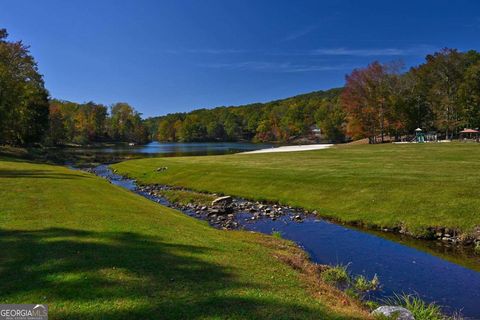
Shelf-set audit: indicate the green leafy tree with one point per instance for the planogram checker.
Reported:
(330, 118)
(24, 107)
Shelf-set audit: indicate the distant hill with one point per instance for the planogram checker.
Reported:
(280, 120)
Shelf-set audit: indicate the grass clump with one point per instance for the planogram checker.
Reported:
(419, 308)
(357, 287)
(277, 234)
(362, 284)
(477, 247)
(337, 274)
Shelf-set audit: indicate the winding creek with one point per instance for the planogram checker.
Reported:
(435, 272)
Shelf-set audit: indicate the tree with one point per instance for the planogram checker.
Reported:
(89, 122)
(469, 95)
(126, 124)
(443, 74)
(24, 107)
(330, 117)
(166, 131)
(192, 129)
(57, 132)
(367, 99)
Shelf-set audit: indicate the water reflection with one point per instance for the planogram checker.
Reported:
(118, 153)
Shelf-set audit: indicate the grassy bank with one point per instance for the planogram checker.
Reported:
(91, 250)
(412, 186)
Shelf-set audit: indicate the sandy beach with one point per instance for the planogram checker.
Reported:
(308, 147)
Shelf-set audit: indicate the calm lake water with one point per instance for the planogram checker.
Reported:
(156, 149)
(436, 273)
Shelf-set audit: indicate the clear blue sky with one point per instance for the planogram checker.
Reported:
(168, 56)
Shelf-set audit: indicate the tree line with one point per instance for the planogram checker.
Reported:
(441, 95)
(90, 122)
(378, 102)
(28, 116)
(282, 120)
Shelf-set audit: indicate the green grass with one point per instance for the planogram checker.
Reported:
(415, 186)
(91, 250)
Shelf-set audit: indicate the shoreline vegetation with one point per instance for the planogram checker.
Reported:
(426, 191)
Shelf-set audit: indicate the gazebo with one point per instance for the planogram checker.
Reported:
(469, 134)
(419, 135)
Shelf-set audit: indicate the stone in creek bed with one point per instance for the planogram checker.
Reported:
(398, 313)
(212, 211)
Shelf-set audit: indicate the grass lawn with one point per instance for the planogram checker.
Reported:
(91, 250)
(414, 185)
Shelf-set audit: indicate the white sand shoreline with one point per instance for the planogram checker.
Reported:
(307, 147)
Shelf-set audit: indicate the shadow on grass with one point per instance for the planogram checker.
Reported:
(39, 174)
(103, 275)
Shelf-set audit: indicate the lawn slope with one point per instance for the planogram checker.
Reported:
(91, 250)
(415, 186)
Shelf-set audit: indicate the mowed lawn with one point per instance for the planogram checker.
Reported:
(91, 250)
(414, 185)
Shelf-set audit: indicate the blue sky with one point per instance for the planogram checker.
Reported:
(179, 55)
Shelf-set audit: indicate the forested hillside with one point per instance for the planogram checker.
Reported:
(281, 120)
(380, 101)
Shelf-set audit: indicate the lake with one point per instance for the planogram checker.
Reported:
(154, 149)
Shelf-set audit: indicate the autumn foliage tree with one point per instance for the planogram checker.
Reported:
(369, 98)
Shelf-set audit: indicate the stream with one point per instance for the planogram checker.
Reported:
(447, 276)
